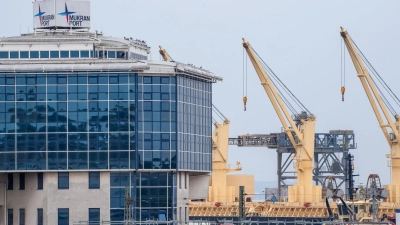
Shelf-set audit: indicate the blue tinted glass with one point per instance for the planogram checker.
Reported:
(117, 214)
(94, 180)
(54, 54)
(94, 216)
(74, 54)
(120, 55)
(111, 54)
(24, 54)
(14, 55)
(63, 180)
(44, 54)
(84, 54)
(4, 55)
(63, 216)
(34, 54)
(64, 54)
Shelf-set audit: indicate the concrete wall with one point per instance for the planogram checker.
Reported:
(182, 197)
(78, 198)
(198, 186)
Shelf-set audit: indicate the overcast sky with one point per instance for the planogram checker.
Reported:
(299, 40)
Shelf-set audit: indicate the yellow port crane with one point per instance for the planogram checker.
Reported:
(220, 190)
(380, 106)
(301, 135)
(165, 55)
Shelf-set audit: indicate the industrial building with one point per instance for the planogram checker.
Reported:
(91, 130)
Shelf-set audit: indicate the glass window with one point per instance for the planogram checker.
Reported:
(34, 54)
(120, 55)
(94, 216)
(44, 54)
(54, 54)
(21, 216)
(63, 216)
(10, 181)
(24, 54)
(39, 216)
(10, 217)
(63, 180)
(14, 55)
(22, 181)
(94, 180)
(74, 54)
(111, 54)
(84, 54)
(4, 55)
(64, 54)
(40, 181)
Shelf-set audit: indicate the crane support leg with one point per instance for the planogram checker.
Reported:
(394, 188)
(304, 190)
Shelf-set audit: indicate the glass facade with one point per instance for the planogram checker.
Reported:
(194, 124)
(153, 193)
(84, 121)
(95, 121)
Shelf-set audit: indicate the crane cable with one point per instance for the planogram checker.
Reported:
(244, 80)
(283, 86)
(342, 68)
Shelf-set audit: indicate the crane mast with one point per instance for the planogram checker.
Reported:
(379, 106)
(165, 55)
(301, 136)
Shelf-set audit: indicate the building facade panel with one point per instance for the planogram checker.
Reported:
(194, 123)
(136, 126)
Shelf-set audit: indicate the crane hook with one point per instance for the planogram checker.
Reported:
(342, 90)
(244, 102)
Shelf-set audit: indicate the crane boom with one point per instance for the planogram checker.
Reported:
(165, 55)
(302, 137)
(379, 108)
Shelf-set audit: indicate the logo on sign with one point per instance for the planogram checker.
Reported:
(44, 19)
(73, 19)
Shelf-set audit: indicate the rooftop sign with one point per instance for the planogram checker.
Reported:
(61, 14)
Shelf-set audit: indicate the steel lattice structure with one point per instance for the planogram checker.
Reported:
(329, 152)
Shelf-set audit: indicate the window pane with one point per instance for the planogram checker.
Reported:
(24, 54)
(63, 180)
(14, 55)
(40, 181)
(44, 54)
(120, 55)
(111, 54)
(22, 181)
(94, 216)
(10, 181)
(64, 54)
(39, 216)
(74, 54)
(54, 54)
(63, 216)
(34, 54)
(21, 216)
(94, 180)
(4, 55)
(84, 54)
(10, 217)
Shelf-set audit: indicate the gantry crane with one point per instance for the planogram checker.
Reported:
(165, 55)
(300, 133)
(380, 106)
